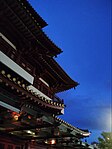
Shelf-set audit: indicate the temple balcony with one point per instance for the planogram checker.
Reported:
(15, 67)
(26, 96)
(11, 58)
(38, 85)
(38, 93)
(47, 94)
(41, 86)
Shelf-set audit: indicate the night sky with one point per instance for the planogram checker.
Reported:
(82, 29)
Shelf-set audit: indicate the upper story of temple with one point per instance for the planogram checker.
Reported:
(27, 54)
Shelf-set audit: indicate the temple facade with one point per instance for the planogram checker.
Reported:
(29, 80)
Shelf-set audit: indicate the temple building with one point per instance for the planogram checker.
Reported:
(29, 80)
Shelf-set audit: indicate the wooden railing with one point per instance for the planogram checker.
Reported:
(46, 90)
(17, 58)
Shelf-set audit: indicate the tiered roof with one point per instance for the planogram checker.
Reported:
(34, 44)
(24, 113)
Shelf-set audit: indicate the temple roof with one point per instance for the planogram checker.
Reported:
(63, 81)
(34, 44)
(18, 93)
(34, 15)
(20, 16)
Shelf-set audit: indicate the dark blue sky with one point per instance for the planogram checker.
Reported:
(82, 29)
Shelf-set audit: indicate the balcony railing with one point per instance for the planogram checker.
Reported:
(17, 58)
(47, 91)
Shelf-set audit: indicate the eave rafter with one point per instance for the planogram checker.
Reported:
(33, 14)
(50, 124)
(61, 80)
(30, 94)
(21, 20)
(48, 130)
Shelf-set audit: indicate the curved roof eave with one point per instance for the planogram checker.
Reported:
(83, 133)
(34, 14)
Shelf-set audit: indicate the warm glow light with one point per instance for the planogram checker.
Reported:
(29, 117)
(15, 117)
(53, 141)
(86, 134)
(30, 132)
(46, 142)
